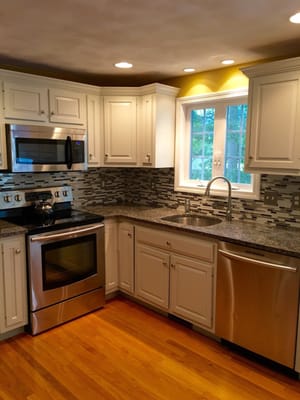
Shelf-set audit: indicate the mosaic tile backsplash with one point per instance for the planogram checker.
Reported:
(155, 187)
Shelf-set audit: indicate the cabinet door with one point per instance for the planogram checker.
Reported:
(191, 290)
(146, 130)
(3, 154)
(120, 130)
(13, 275)
(152, 275)
(111, 256)
(126, 257)
(274, 123)
(25, 102)
(67, 106)
(93, 129)
(157, 131)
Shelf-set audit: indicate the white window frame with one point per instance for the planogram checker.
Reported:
(182, 183)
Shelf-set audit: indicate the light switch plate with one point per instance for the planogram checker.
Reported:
(296, 201)
(271, 198)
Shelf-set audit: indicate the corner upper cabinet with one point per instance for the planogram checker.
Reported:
(120, 130)
(157, 126)
(29, 101)
(273, 140)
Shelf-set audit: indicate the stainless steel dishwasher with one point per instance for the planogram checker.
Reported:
(257, 301)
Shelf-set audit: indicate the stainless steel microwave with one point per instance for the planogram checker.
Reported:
(33, 148)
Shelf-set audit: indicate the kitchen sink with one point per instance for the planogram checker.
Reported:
(193, 219)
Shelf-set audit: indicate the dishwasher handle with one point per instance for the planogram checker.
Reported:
(240, 257)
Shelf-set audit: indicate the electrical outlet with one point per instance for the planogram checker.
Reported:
(296, 201)
(271, 198)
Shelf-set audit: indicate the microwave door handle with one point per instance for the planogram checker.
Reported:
(68, 149)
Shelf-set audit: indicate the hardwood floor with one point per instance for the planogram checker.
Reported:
(125, 351)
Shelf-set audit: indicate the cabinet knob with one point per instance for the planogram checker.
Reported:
(168, 243)
(129, 235)
(42, 112)
(52, 113)
(250, 157)
(173, 265)
(90, 156)
(165, 264)
(18, 251)
(105, 155)
(148, 157)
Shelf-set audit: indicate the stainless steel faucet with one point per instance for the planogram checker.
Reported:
(229, 207)
(187, 206)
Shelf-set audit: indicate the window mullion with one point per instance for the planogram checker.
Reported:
(219, 140)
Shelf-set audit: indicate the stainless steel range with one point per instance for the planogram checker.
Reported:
(65, 254)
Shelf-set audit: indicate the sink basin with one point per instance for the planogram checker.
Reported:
(193, 219)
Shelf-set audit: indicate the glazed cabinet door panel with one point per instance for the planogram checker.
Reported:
(191, 290)
(67, 106)
(274, 123)
(152, 275)
(120, 130)
(126, 257)
(13, 266)
(25, 102)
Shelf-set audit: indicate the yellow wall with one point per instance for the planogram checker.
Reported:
(216, 80)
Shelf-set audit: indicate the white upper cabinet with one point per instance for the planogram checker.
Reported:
(94, 130)
(120, 130)
(157, 126)
(25, 101)
(28, 101)
(273, 140)
(67, 106)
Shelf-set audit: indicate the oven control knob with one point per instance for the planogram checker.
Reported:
(65, 193)
(18, 197)
(56, 194)
(7, 198)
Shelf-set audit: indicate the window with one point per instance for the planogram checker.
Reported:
(211, 141)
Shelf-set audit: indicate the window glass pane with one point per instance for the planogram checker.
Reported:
(202, 135)
(236, 118)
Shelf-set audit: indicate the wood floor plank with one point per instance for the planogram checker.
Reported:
(127, 352)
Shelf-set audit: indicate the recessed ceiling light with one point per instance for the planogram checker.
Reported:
(295, 19)
(227, 62)
(189, 69)
(123, 64)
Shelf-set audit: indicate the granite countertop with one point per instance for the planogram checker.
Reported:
(8, 229)
(281, 240)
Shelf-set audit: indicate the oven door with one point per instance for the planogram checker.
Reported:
(64, 264)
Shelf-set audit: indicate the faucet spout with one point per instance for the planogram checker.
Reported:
(229, 205)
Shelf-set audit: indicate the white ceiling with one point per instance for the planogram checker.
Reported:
(82, 39)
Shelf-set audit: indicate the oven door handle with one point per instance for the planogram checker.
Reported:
(44, 238)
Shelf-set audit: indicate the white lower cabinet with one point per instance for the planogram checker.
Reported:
(176, 273)
(126, 257)
(152, 275)
(13, 288)
(111, 256)
(191, 290)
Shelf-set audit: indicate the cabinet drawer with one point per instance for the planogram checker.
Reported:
(179, 243)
